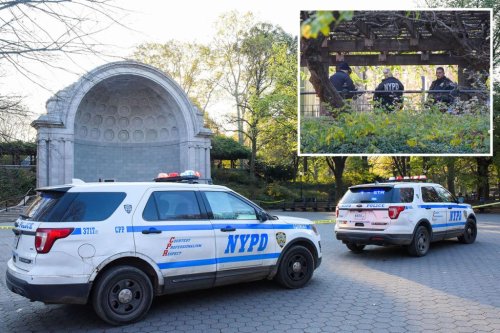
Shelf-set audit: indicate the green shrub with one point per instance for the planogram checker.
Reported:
(375, 132)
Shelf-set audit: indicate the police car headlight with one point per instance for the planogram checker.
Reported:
(315, 229)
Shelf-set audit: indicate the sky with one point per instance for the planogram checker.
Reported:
(159, 21)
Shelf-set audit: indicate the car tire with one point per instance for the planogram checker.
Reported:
(356, 248)
(421, 242)
(296, 267)
(123, 295)
(470, 232)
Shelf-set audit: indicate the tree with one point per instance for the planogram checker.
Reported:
(38, 31)
(278, 137)
(231, 31)
(224, 148)
(191, 65)
(311, 50)
(13, 118)
(337, 166)
(261, 48)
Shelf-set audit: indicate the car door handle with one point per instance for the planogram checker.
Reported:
(427, 207)
(151, 231)
(227, 229)
(450, 207)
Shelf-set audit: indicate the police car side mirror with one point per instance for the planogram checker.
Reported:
(262, 216)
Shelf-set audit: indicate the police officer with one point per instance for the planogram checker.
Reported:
(442, 83)
(342, 81)
(389, 93)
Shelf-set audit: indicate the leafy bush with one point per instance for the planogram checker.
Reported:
(402, 131)
(16, 182)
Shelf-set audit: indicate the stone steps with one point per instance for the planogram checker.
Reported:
(11, 214)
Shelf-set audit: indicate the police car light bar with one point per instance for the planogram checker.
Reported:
(186, 176)
(407, 178)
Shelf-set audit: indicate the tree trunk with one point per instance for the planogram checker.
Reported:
(319, 72)
(402, 165)
(253, 158)
(483, 185)
(337, 165)
(450, 174)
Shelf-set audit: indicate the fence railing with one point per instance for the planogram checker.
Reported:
(15, 201)
(362, 102)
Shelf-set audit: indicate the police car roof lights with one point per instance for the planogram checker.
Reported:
(407, 178)
(186, 176)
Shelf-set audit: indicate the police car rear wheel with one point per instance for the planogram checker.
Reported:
(296, 268)
(470, 233)
(123, 295)
(421, 242)
(356, 248)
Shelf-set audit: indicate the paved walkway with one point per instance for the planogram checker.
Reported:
(455, 288)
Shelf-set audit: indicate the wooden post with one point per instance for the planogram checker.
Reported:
(422, 100)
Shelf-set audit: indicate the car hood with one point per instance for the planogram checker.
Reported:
(293, 220)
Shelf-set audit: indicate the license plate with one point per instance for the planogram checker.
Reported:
(16, 241)
(359, 216)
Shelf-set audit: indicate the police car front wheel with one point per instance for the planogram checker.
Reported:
(470, 233)
(296, 268)
(122, 295)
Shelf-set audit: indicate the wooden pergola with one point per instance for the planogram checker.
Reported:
(376, 38)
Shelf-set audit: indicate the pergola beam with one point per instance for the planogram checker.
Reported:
(396, 45)
(393, 59)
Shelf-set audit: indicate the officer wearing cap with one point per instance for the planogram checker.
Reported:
(389, 93)
(342, 81)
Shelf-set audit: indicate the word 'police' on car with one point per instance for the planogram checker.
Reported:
(117, 245)
(407, 213)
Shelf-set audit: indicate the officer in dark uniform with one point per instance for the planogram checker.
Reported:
(389, 93)
(342, 81)
(442, 83)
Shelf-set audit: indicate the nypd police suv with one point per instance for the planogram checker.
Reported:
(407, 213)
(117, 245)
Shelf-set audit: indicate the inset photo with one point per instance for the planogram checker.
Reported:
(395, 82)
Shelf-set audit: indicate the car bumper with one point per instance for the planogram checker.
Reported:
(368, 238)
(49, 293)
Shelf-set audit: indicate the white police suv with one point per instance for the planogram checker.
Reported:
(407, 213)
(117, 245)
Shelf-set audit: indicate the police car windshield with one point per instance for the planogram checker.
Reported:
(378, 195)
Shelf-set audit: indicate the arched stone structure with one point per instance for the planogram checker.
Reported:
(124, 121)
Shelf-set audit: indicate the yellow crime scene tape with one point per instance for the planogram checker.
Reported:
(6, 227)
(486, 205)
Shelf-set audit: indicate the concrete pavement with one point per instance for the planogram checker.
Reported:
(455, 288)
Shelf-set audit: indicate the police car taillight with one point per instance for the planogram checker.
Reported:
(45, 237)
(394, 211)
(337, 211)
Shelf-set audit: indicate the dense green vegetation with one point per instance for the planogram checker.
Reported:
(404, 132)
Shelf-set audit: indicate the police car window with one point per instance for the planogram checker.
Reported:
(403, 194)
(92, 206)
(444, 195)
(368, 195)
(429, 194)
(228, 207)
(172, 205)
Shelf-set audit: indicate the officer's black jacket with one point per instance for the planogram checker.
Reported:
(343, 83)
(385, 91)
(442, 84)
